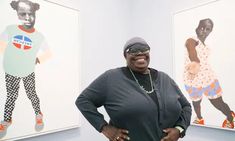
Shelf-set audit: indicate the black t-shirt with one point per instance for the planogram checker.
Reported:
(143, 80)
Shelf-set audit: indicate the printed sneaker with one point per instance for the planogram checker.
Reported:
(233, 114)
(199, 121)
(228, 124)
(4, 125)
(39, 119)
(39, 122)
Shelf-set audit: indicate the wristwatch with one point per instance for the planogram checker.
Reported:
(182, 131)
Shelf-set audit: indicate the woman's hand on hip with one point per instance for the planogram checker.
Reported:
(115, 134)
(173, 134)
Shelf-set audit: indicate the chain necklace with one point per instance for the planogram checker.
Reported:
(142, 87)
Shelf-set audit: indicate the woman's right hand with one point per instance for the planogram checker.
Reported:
(115, 134)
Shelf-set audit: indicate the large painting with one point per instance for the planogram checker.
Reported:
(40, 68)
(204, 61)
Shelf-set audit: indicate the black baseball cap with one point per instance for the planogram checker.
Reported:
(135, 44)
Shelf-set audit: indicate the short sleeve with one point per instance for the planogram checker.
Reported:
(4, 36)
(44, 45)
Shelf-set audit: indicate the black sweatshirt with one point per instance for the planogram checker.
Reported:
(131, 108)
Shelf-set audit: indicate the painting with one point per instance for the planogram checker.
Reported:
(40, 71)
(204, 61)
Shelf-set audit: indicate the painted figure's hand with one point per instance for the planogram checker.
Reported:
(191, 76)
(115, 134)
(37, 61)
(193, 67)
(173, 134)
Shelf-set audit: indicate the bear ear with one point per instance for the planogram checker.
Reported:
(36, 6)
(14, 5)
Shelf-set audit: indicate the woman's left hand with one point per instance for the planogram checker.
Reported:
(173, 134)
(115, 134)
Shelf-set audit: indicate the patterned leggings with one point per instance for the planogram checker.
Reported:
(12, 86)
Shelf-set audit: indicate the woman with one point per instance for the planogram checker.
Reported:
(143, 104)
(199, 78)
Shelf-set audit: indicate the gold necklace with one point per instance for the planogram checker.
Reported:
(142, 87)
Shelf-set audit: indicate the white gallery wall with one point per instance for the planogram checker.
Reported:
(105, 26)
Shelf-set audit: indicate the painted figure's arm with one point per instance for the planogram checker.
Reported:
(194, 66)
(45, 53)
(44, 56)
(3, 45)
(3, 41)
(191, 48)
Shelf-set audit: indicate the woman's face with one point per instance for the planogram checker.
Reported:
(26, 15)
(138, 61)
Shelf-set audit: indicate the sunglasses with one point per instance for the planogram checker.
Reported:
(138, 48)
